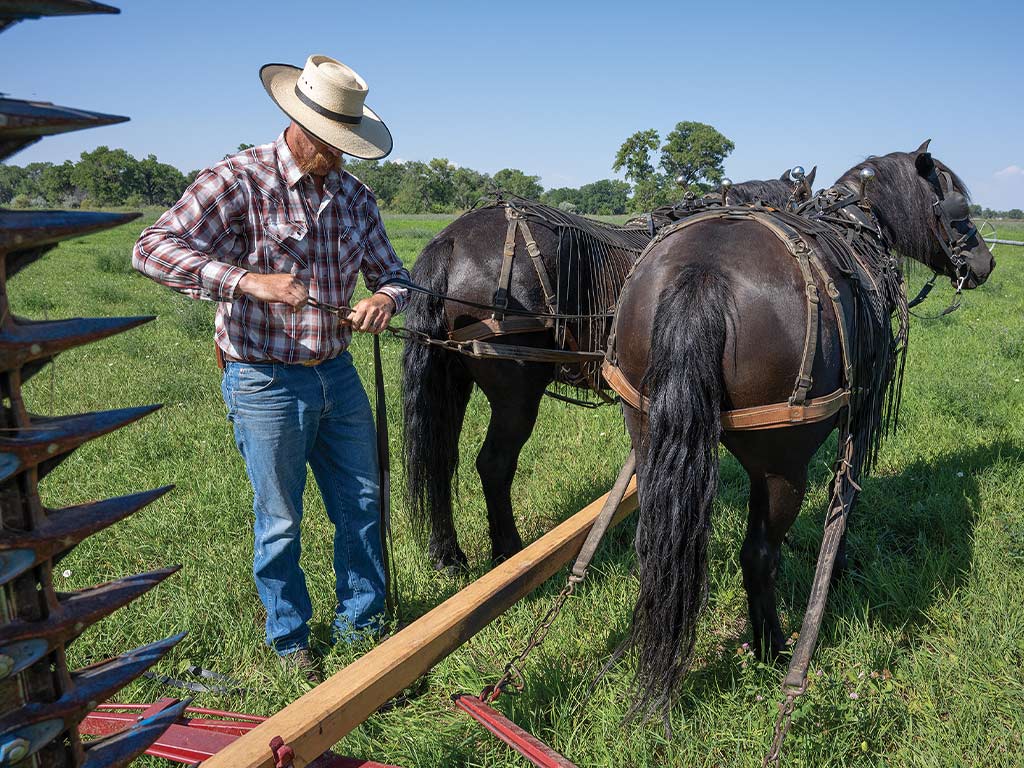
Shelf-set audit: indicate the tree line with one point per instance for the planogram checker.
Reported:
(101, 178)
(657, 172)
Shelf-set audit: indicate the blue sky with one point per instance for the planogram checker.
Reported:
(555, 87)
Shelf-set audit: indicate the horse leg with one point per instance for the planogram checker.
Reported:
(443, 547)
(774, 504)
(438, 462)
(514, 403)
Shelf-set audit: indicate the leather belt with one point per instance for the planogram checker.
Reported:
(307, 363)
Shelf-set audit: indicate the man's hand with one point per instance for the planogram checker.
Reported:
(372, 315)
(274, 288)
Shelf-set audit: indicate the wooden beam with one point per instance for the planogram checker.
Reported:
(315, 722)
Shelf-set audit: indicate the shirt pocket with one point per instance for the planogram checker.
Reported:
(349, 238)
(287, 241)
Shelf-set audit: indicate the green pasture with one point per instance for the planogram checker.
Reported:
(921, 654)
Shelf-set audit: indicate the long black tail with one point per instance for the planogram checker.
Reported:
(435, 392)
(678, 478)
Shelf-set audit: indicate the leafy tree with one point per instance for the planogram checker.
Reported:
(413, 191)
(107, 175)
(30, 183)
(1015, 213)
(56, 183)
(604, 197)
(158, 183)
(651, 193)
(693, 153)
(515, 182)
(440, 185)
(568, 207)
(10, 180)
(634, 156)
(468, 187)
(975, 209)
(555, 197)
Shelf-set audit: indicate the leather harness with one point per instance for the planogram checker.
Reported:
(800, 408)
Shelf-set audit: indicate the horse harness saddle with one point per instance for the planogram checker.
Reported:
(812, 244)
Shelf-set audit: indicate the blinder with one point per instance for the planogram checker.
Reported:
(951, 209)
(954, 207)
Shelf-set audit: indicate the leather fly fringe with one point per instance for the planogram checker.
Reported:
(588, 271)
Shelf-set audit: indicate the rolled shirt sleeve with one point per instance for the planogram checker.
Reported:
(380, 262)
(190, 247)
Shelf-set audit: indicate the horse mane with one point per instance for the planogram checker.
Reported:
(773, 192)
(902, 201)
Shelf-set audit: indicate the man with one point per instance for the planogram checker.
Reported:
(264, 233)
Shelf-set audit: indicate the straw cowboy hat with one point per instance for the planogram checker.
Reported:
(326, 98)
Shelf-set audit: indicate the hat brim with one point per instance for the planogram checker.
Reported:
(370, 139)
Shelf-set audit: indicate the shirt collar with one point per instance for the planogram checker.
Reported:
(286, 162)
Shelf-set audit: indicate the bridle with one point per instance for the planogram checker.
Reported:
(948, 208)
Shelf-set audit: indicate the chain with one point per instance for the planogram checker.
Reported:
(782, 726)
(513, 670)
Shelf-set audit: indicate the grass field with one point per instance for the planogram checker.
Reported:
(921, 654)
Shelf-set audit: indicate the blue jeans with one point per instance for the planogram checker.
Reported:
(285, 416)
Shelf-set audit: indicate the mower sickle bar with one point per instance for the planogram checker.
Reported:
(527, 745)
(42, 702)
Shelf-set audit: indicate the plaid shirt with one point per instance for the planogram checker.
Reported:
(257, 212)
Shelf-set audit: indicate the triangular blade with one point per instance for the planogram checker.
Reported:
(89, 686)
(25, 642)
(63, 529)
(28, 230)
(25, 122)
(121, 748)
(47, 439)
(26, 340)
(16, 10)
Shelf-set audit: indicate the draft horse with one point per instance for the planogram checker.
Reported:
(587, 262)
(717, 321)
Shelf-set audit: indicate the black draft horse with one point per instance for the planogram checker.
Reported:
(464, 261)
(713, 319)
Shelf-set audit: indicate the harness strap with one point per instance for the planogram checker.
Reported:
(743, 419)
(482, 349)
(538, 264)
(489, 328)
(505, 277)
(837, 309)
(804, 380)
(797, 246)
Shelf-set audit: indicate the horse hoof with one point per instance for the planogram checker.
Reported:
(497, 558)
(451, 564)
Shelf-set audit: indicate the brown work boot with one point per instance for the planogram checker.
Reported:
(303, 663)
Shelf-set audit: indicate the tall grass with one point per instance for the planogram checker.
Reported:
(921, 655)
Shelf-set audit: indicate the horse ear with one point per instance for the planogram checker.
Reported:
(810, 176)
(923, 147)
(785, 175)
(924, 164)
